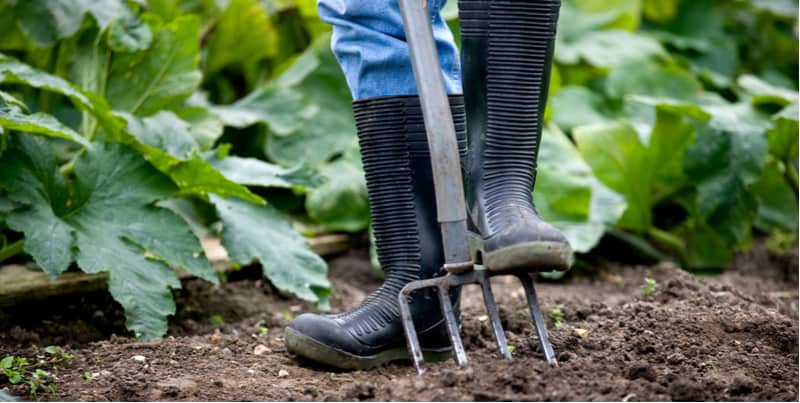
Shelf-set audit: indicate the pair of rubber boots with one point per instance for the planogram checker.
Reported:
(507, 51)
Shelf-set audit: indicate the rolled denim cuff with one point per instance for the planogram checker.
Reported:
(370, 44)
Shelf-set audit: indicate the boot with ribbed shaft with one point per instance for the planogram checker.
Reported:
(397, 164)
(507, 52)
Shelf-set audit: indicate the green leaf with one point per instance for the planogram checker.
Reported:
(105, 221)
(167, 142)
(244, 35)
(14, 71)
(684, 108)
(254, 172)
(6, 362)
(723, 165)
(12, 38)
(628, 11)
(777, 202)
(574, 106)
(331, 130)
(47, 21)
(340, 204)
(205, 126)
(284, 110)
(783, 136)
(262, 233)
(651, 79)
(165, 74)
(782, 8)
(623, 162)
(766, 93)
(12, 117)
(666, 148)
(608, 48)
(619, 160)
(129, 35)
(569, 196)
(660, 10)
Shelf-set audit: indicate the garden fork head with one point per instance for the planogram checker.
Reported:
(480, 277)
(451, 209)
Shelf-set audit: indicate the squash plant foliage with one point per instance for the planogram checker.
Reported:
(128, 129)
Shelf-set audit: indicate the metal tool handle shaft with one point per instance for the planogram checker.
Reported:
(450, 205)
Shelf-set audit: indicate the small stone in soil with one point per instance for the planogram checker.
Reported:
(260, 349)
(227, 351)
(139, 358)
(283, 373)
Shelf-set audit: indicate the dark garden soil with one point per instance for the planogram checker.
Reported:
(728, 337)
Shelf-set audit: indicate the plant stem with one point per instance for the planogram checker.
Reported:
(791, 176)
(12, 250)
(670, 241)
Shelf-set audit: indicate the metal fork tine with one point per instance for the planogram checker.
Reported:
(452, 325)
(538, 318)
(411, 333)
(494, 316)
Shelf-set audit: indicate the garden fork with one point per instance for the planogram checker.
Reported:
(450, 204)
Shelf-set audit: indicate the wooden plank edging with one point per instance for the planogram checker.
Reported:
(20, 284)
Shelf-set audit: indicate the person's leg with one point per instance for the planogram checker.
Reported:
(369, 42)
(507, 49)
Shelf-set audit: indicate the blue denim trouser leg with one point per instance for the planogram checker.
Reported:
(370, 44)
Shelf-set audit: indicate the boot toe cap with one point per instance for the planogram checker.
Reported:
(324, 330)
(527, 231)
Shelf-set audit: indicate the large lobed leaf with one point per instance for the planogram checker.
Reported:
(143, 83)
(105, 221)
(341, 204)
(47, 21)
(261, 233)
(331, 130)
(169, 144)
(243, 35)
(14, 117)
(569, 196)
(15, 72)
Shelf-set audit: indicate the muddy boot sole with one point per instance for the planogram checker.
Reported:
(316, 351)
(532, 256)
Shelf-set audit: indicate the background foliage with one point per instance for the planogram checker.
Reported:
(128, 129)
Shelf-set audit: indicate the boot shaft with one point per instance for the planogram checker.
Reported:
(397, 166)
(507, 50)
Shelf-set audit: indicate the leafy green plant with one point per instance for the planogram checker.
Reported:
(680, 120)
(557, 316)
(36, 374)
(649, 287)
(124, 145)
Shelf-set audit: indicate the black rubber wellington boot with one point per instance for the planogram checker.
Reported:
(394, 150)
(507, 52)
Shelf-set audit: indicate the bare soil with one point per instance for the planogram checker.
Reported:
(728, 337)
